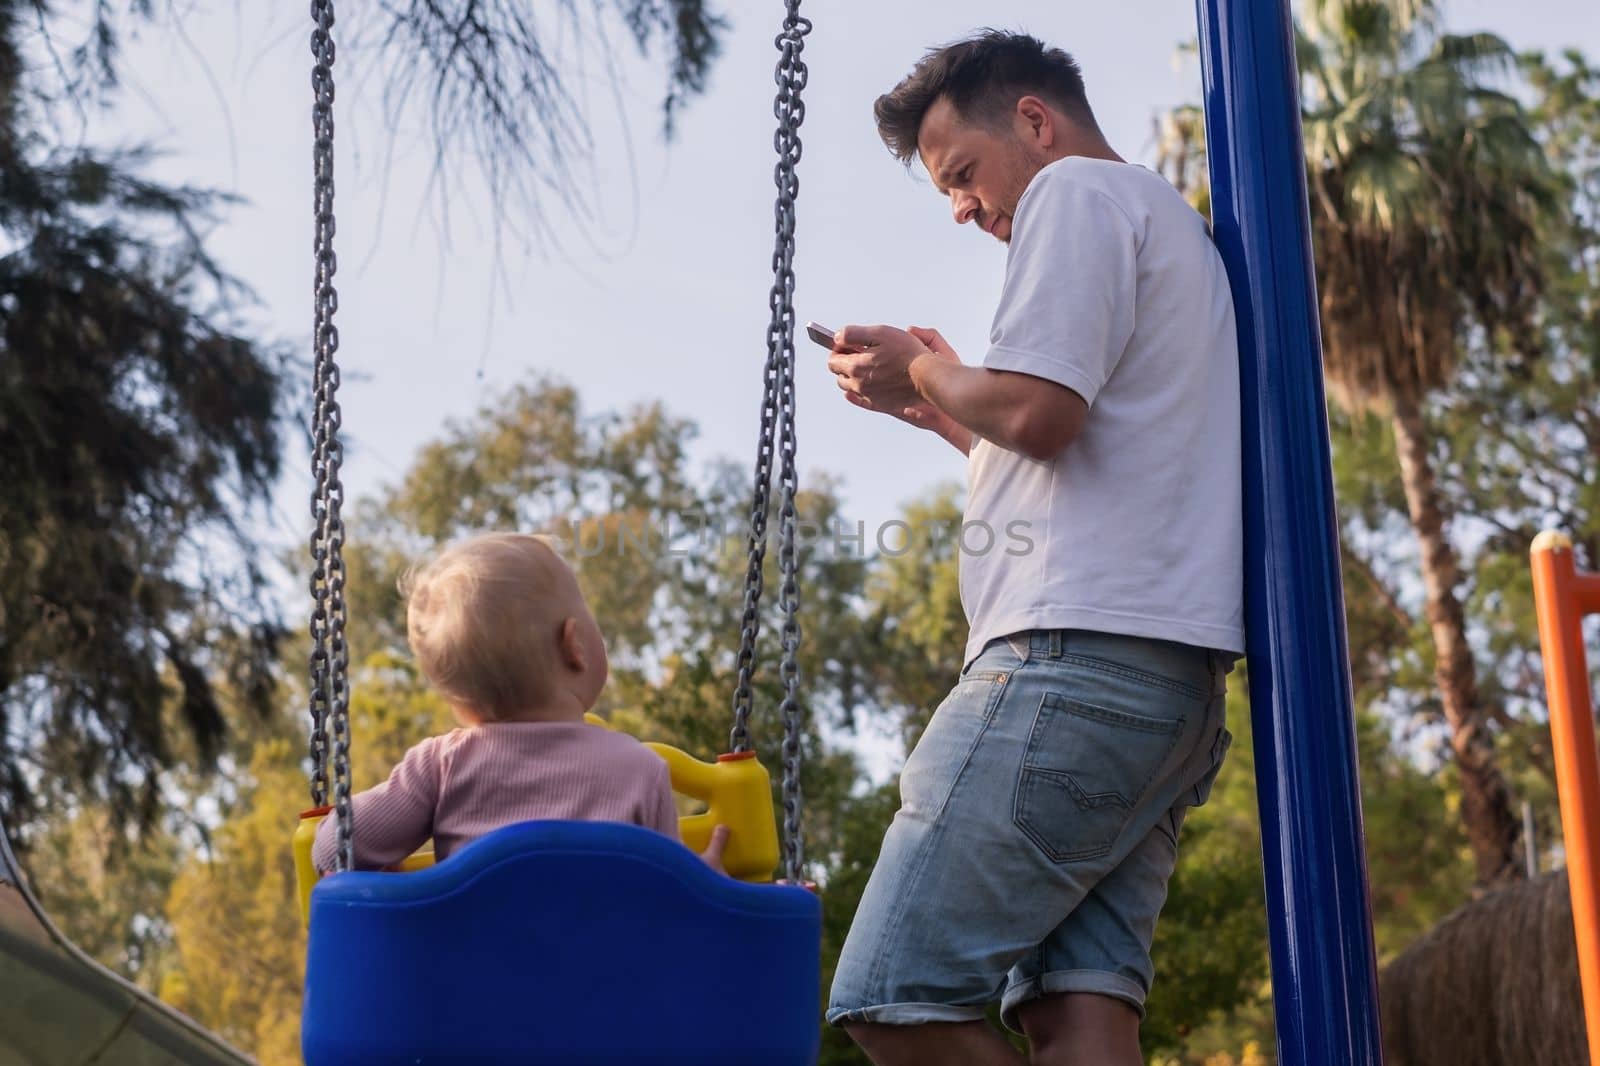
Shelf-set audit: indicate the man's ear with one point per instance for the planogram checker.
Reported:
(571, 646)
(1038, 122)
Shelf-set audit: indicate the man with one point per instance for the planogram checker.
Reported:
(1040, 811)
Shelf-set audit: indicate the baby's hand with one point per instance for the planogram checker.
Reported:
(713, 853)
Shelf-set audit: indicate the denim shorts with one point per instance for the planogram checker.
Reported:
(1038, 826)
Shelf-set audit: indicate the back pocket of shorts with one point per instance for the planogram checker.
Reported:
(1085, 772)
(1219, 752)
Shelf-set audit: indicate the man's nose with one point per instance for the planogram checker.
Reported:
(963, 206)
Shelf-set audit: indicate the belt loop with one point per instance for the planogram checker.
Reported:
(1055, 644)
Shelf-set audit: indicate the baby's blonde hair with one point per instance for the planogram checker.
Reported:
(484, 620)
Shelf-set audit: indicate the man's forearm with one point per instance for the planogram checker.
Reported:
(972, 398)
(960, 437)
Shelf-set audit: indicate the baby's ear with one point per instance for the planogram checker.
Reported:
(571, 646)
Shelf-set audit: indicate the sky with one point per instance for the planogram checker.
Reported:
(663, 295)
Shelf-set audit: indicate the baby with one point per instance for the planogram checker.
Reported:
(500, 629)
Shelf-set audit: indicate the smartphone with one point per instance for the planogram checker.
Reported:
(821, 334)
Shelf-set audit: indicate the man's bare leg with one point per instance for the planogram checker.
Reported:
(933, 1043)
(1081, 1029)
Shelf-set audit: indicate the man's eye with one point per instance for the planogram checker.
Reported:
(965, 175)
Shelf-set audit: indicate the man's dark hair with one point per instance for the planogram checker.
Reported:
(983, 76)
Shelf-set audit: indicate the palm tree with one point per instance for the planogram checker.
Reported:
(1428, 195)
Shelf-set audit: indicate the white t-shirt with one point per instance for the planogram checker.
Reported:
(1114, 289)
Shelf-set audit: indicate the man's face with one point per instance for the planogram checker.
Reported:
(982, 169)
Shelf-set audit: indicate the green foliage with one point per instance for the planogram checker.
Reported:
(1429, 195)
(123, 659)
(138, 427)
(1450, 208)
(1212, 995)
(239, 944)
(1432, 205)
(1419, 867)
(502, 85)
(919, 629)
(856, 831)
(110, 889)
(492, 78)
(139, 421)
(1210, 949)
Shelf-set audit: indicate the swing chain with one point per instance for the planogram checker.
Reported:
(790, 110)
(750, 622)
(778, 434)
(330, 656)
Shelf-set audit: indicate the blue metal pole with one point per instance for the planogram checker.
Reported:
(1323, 970)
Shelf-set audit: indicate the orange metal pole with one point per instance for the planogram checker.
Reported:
(1562, 597)
(1586, 590)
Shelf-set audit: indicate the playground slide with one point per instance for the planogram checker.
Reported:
(58, 1007)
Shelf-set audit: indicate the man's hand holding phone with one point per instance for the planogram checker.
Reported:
(821, 334)
(872, 365)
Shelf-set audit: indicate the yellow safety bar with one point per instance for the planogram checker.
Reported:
(736, 790)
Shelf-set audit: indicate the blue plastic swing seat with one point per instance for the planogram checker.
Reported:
(562, 942)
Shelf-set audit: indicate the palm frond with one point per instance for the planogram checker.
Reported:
(1474, 50)
(1388, 190)
(1431, 192)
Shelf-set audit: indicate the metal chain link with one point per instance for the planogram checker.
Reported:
(319, 467)
(778, 434)
(790, 109)
(330, 656)
(750, 622)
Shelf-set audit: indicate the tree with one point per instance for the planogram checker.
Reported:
(492, 80)
(918, 626)
(240, 951)
(1517, 440)
(497, 64)
(1524, 439)
(138, 426)
(1514, 443)
(140, 422)
(109, 889)
(1430, 196)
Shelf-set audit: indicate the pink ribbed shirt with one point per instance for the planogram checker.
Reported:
(457, 787)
